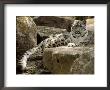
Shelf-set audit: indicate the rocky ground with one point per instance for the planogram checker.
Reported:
(78, 60)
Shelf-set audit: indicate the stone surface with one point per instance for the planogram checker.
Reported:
(68, 60)
(50, 30)
(41, 37)
(26, 34)
(90, 24)
(53, 21)
(26, 37)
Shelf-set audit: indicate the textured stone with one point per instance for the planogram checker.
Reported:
(67, 60)
(90, 24)
(53, 21)
(26, 35)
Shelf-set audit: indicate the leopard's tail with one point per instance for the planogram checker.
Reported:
(34, 52)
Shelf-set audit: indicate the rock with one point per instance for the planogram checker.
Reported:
(68, 60)
(90, 21)
(83, 17)
(47, 31)
(41, 37)
(26, 34)
(85, 63)
(90, 24)
(53, 21)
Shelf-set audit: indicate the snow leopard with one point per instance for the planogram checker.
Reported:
(69, 39)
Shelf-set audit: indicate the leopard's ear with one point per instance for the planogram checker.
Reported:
(75, 24)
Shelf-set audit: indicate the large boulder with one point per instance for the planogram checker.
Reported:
(26, 34)
(53, 21)
(68, 60)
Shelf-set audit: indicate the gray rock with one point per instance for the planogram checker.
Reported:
(68, 60)
(26, 34)
(53, 21)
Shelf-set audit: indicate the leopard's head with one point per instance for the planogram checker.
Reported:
(78, 29)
